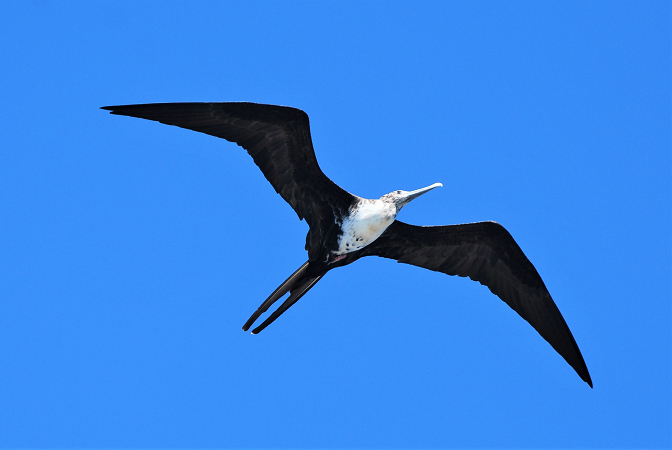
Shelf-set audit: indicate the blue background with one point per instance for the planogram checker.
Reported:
(131, 252)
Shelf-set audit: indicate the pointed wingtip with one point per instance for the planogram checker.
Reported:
(119, 110)
(584, 374)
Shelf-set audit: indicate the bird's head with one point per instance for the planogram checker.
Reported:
(401, 198)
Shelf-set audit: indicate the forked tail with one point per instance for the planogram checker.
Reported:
(297, 285)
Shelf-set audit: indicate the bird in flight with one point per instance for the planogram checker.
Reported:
(344, 227)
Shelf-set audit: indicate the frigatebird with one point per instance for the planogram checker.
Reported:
(344, 227)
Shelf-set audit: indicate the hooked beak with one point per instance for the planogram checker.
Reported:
(418, 192)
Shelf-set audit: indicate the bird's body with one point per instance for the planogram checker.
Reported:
(366, 222)
(344, 227)
(367, 219)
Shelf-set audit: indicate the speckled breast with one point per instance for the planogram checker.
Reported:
(365, 224)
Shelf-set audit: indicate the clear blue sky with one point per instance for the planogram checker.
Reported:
(131, 253)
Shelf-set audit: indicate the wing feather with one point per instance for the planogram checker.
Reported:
(277, 138)
(484, 252)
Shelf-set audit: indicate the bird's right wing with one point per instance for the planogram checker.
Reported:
(277, 138)
(484, 252)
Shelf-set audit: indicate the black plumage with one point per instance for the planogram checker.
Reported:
(278, 139)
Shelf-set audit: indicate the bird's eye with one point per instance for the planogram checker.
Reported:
(398, 192)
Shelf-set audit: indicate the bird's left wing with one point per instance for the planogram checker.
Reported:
(278, 139)
(484, 252)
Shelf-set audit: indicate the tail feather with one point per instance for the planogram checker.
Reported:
(285, 287)
(293, 298)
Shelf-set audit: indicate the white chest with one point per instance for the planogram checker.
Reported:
(365, 225)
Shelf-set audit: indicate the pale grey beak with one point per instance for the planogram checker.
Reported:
(418, 192)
